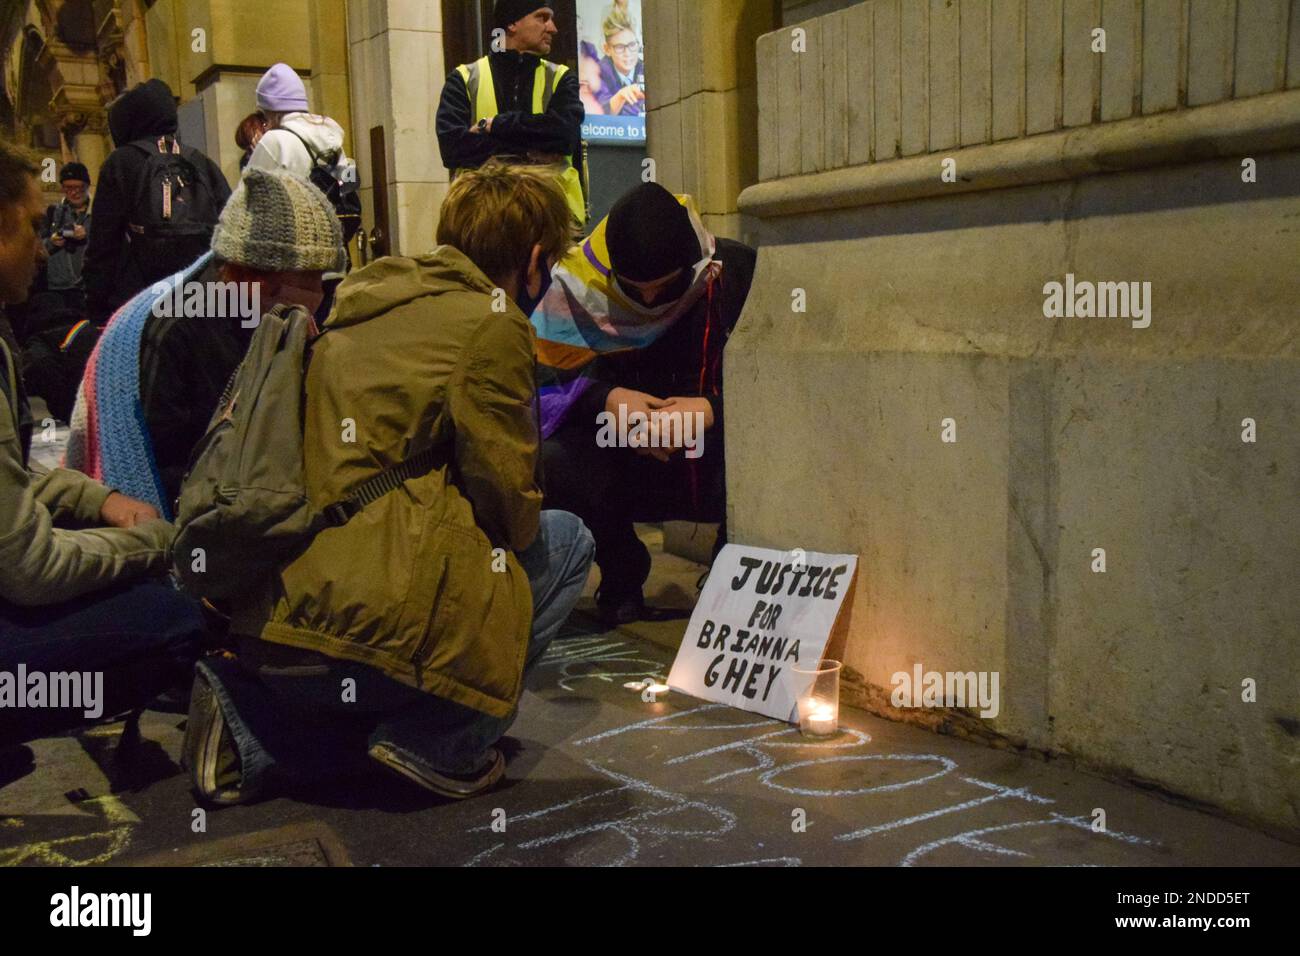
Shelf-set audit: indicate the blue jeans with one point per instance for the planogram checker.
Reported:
(143, 637)
(290, 723)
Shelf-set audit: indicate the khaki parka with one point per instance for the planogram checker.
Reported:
(422, 584)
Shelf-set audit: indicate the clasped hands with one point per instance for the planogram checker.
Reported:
(661, 444)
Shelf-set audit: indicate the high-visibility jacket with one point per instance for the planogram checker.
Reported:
(483, 100)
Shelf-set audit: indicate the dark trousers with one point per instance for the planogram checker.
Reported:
(290, 722)
(144, 639)
(610, 488)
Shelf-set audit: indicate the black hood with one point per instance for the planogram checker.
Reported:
(141, 112)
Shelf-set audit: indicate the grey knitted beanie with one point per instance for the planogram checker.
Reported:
(278, 222)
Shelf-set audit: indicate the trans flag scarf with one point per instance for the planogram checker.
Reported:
(585, 315)
(109, 440)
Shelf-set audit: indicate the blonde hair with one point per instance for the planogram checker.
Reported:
(616, 23)
(496, 214)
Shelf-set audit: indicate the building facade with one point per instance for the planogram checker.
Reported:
(1102, 508)
(376, 66)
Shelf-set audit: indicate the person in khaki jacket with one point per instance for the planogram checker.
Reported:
(74, 555)
(404, 635)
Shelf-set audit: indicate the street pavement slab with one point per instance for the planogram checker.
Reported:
(598, 776)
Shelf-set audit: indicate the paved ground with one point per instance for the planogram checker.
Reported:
(598, 777)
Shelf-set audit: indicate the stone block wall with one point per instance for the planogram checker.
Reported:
(889, 78)
(1173, 158)
(701, 100)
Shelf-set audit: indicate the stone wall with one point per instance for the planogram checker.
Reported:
(397, 70)
(792, 11)
(890, 78)
(925, 309)
(701, 121)
(241, 39)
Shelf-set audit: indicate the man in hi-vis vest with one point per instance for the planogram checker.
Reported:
(515, 104)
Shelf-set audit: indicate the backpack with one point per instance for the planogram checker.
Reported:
(342, 193)
(54, 361)
(243, 512)
(174, 210)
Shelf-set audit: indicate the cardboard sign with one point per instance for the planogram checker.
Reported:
(761, 612)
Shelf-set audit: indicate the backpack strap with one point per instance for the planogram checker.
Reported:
(305, 145)
(315, 156)
(390, 479)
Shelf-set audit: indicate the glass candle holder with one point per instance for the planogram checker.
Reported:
(819, 702)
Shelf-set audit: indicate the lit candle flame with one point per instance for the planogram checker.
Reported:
(648, 688)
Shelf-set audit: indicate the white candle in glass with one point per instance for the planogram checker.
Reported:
(820, 717)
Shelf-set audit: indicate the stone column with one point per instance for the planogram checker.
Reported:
(395, 63)
(93, 144)
(135, 41)
(701, 124)
(217, 50)
(75, 79)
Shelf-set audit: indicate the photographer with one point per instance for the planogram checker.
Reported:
(66, 231)
(56, 340)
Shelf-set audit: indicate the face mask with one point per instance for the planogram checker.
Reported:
(527, 303)
(667, 298)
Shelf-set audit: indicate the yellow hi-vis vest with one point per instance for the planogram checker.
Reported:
(483, 96)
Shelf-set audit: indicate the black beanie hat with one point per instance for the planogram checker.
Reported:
(507, 12)
(74, 171)
(649, 234)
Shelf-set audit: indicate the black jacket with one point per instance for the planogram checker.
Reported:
(672, 364)
(112, 276)
(185, 363)
(515, 129)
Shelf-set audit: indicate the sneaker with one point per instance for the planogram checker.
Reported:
(456, 786)
(209, 751)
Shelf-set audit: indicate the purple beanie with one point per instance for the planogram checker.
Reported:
(280, 90)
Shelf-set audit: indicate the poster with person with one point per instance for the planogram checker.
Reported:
(611, 71)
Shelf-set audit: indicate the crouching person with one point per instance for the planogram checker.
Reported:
(74, 555)
(155, 378)
(402, 636)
